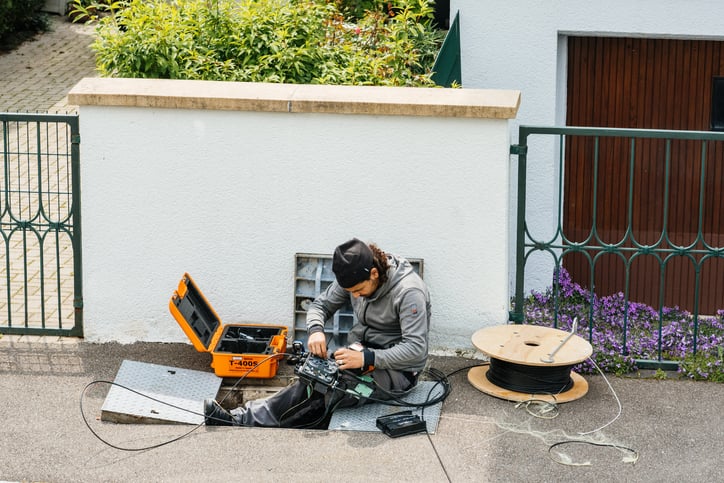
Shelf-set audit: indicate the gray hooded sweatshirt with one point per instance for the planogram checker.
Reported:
(394, 322)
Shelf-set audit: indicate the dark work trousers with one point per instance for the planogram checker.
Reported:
(299, 405)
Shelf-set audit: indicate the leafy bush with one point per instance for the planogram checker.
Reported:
(356, 9)
(293, 41)
(21, 16)
(619, 341)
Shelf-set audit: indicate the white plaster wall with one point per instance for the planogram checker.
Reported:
(522, 45)
(230, 197)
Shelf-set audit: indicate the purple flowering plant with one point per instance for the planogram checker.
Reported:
(623, 332)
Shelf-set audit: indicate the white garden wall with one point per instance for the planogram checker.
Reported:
(228, 181)
(522, 45)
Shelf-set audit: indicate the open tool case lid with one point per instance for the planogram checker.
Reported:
(194, 314)
(237, 350)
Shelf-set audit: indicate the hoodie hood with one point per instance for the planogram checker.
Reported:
(399, 269)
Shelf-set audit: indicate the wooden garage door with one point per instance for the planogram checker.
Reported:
(648, 84)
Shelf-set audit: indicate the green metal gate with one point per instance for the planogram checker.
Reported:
(702, 159)
(40, 231)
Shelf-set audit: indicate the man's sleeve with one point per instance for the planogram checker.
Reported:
(324, 306)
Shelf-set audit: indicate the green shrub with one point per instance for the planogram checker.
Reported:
(21, 16)
(293, 41)
(356, 9)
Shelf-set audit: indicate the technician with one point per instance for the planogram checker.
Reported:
(389, 341)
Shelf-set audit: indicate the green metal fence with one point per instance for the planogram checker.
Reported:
(447, 69)
(553, 142)
(40, 232)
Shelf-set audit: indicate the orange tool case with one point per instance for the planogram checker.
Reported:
(237, 350)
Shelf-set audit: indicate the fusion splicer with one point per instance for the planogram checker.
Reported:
(322, 372)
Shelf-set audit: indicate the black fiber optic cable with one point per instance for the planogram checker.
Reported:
(530, 379)
(396, 399)
(93, 383)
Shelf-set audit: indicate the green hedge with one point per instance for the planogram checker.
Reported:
(293, 41)
(21, 15)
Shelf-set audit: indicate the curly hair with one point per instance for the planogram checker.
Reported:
(380, 262)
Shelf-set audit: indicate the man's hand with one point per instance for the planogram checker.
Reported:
(317, 344)
(349, 359)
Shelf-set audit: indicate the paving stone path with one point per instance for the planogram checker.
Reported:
(37, 76)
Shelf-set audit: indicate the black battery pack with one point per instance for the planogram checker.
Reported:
(401, 424)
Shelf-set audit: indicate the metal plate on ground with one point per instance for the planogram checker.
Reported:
(364, 418)
(158, 394)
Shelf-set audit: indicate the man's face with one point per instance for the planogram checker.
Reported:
(366, 288)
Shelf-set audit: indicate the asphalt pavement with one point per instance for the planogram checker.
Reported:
(632, 429)
(663, 431)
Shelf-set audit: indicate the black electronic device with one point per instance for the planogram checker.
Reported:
(297, 354)
(318, 370)
(401, 424)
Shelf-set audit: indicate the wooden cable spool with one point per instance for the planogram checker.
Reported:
(530, 349)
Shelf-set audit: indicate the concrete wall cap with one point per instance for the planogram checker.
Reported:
(296, 98)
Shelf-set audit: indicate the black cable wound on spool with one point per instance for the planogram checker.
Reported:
(530, 379)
